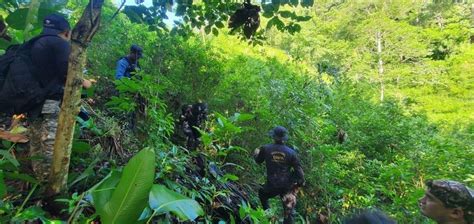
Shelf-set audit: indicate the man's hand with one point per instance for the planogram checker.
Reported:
(256, 152)
(301, 183)
(90, 101)
(87, 83)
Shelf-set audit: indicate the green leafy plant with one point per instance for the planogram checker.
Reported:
(256, 215)
(127, 200)
(163, 200)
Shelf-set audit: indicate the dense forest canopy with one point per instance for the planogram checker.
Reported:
(377, 97)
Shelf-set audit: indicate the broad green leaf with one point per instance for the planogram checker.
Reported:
(231, 177)
(269, 8)
(102, 192)
(207, 29)
(48, 221)
(163, 200)
(6, 155)
(294, 28)
(220, 121)
(279, 24)
(215, 31)
(18, 129)
(238, 117)
(286, 14)
(147, 212)
(206, 138)
(129, 198)
(268, 14)
(3, 46)
(17, 19)
(302, 18)
(270, 23)
(29, 214)
(219, 25)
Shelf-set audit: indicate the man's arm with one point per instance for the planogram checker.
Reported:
(259, 155)
(121, 68)
(299, 170)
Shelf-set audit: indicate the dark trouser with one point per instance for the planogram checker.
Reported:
(267, 192)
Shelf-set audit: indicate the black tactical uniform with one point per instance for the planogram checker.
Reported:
(284, 172)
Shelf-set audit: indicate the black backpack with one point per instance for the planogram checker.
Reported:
(20, 89)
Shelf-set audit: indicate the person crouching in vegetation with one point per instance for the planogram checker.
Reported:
(448, 202)
(49, 55)
(127, 66)
(281, 179)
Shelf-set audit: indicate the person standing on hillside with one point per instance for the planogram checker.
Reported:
(284, 172)
(448, 202)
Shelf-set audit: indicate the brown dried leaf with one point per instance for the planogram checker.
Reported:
(16, 138)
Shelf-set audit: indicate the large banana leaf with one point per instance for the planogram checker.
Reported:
(101, 193)
(163, 200)
(130, 197)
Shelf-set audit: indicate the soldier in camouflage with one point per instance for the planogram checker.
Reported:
(447, 201)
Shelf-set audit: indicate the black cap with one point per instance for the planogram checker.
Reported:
(55, 24)
(136, 49)
(279, 133)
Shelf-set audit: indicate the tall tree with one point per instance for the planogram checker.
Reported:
(82, 34)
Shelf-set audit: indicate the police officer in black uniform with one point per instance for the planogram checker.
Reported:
(284, 172)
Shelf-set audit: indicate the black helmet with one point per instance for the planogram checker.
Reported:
(279, 133)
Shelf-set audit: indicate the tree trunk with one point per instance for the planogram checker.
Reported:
(378, 40)
(82, 34)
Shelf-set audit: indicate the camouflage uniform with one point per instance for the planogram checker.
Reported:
(43, 133)
(454, 195)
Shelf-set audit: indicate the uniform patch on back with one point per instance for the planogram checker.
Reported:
(278, 157)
